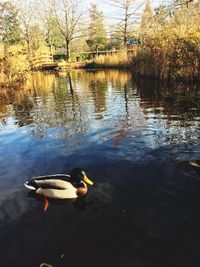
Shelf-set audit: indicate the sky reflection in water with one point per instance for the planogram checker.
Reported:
(134, 139)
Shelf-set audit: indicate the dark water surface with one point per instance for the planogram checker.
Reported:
(135, 141)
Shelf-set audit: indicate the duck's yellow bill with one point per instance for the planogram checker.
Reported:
(88, 181)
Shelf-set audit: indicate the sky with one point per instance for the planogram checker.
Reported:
(109, 11)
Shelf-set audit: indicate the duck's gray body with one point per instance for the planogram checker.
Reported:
(54, 186)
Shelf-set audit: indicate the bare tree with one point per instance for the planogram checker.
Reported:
(127, 14)
(26, 16)
(68, 14)
(49, 24)
(33, 35)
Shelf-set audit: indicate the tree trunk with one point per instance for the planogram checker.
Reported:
(125, 27)
(97, 50)
(125, 38)
(28, 47)
(51, 48)
(5, 49)
(68, 50)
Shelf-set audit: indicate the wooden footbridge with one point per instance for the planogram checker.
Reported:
(44, 61)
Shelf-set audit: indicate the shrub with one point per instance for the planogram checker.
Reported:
(13, 68)
(171, 51)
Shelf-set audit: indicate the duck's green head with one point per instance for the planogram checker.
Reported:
(78, 175)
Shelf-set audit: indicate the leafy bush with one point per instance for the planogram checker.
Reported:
(13, 68)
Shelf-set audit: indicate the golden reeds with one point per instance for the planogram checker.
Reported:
(115, 60)
(171, 51)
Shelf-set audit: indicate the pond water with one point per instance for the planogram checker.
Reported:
(134, 139)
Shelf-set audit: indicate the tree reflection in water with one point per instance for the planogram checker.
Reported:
(69, 103)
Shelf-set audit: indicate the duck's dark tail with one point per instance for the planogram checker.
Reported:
(31, 185)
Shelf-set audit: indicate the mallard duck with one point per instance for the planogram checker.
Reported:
(60, 186)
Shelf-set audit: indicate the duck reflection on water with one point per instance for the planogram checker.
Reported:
(79, 203)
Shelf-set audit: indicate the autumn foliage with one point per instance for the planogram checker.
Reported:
(172, 50)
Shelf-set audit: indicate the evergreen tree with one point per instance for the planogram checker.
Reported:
(37, 36)
(115, 40)
(147, 16)
(161, 15)
(183, 3)
(97, 34)
(53, 35)
(9, 24)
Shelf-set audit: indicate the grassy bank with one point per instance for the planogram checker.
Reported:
(172, 50)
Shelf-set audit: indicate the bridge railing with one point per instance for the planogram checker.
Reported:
(44, 59)
(111, 52)
(41, 59)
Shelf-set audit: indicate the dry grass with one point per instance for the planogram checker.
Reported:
(171, 51)
(119, 60)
